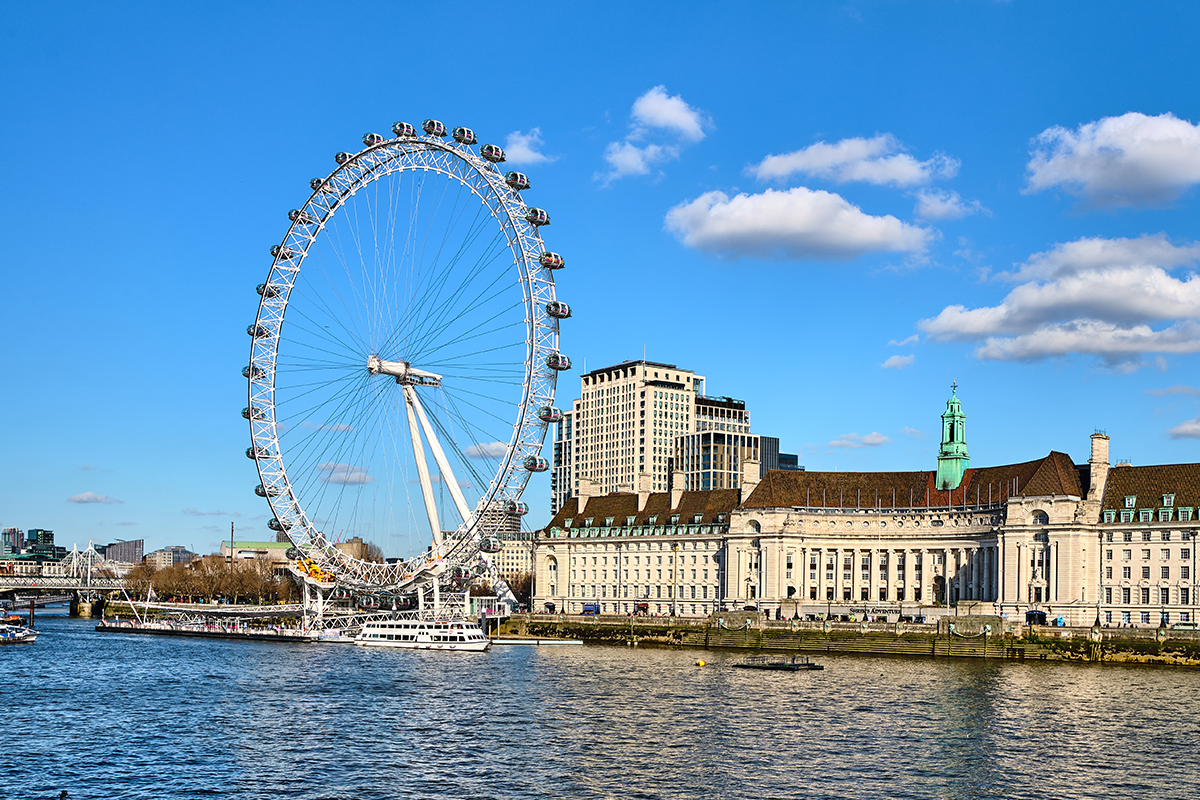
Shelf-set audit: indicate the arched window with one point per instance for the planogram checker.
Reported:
(754, 526)
(1041, 518)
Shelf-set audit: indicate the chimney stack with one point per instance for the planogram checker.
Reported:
(1099, 466)
(587, 489)
(751, 476)
(676, 489)
(644, 483)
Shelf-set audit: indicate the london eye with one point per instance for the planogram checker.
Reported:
(403, 360)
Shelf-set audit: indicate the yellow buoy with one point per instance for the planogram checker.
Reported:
(700, 663)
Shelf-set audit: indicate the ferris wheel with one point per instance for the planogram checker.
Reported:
(403, 361)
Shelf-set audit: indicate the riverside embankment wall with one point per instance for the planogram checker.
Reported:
(952, 637)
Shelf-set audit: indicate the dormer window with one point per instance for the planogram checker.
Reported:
(654, 519)
(629, 521)
(567, 522)
(608, 521)
(587, 523)
(721, 517)
(1110, 516)
(1164, 515)
(1131, 501)
(1168, 500)
(697, 518)
(674, 519)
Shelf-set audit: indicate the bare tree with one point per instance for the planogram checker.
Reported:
(374, 553)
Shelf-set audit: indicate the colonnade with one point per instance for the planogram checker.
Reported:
(840, 573)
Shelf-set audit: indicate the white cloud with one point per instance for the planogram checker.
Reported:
(337, 426)
(877, 160)
(654, 113)
(1130, 160)
(1189, 391)
(525, 148)
(92, 497)
(344, 474)
(937, 204)
(657, 109)
(486, 450)
(626, 158)
(799, 223)
(874, 439)
(195, 512)
(916, 337)
(1092, 296)
(913, 432)
(1186, 430)
(898, 362)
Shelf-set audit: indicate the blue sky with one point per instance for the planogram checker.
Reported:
(831, 211)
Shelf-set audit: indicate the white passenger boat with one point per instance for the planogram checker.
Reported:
(423, 634)
(17, 634)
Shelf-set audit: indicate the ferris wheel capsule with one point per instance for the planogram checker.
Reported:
(459, 573)
(515, 508)
(303, 217)
(558, 310)
(267, 290)
(535, 464)
(433, 127)
(403, 129)
(537, 216)
(491, 544)
(517, 181)
(552, 260)
(263, 491)
(492, 152)
(342, 158)
(258, 331)
(464, 136)
(275, 524)
(252, 371)
(256, 452)
(251, 412)
(283, 252)
(549, 414)
(372, 139)
(558, 361)
(320, 185)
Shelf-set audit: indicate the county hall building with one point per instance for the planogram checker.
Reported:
(1075, 541)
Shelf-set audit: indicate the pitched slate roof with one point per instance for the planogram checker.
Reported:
(621, 505)
(1150, 483)
(1055, 474)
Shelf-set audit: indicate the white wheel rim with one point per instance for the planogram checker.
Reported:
(288, 462)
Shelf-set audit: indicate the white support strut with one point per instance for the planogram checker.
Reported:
(439, 456)
(422, 468)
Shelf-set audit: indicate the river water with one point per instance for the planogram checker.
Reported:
(111, 716)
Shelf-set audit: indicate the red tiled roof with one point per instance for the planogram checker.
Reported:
(1053, 475)
(1150, 483)
(621, 505)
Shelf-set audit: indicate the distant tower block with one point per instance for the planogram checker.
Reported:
(952, 456)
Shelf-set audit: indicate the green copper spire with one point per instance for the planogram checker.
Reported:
(952, 457)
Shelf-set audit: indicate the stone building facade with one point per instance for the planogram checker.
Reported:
(1077, 542)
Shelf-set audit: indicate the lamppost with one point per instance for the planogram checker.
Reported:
(619, 584)
(674, 575)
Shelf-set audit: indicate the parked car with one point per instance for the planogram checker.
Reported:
(1184, 626)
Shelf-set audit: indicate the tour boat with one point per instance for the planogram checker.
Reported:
(423, 634)
(17, 634)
